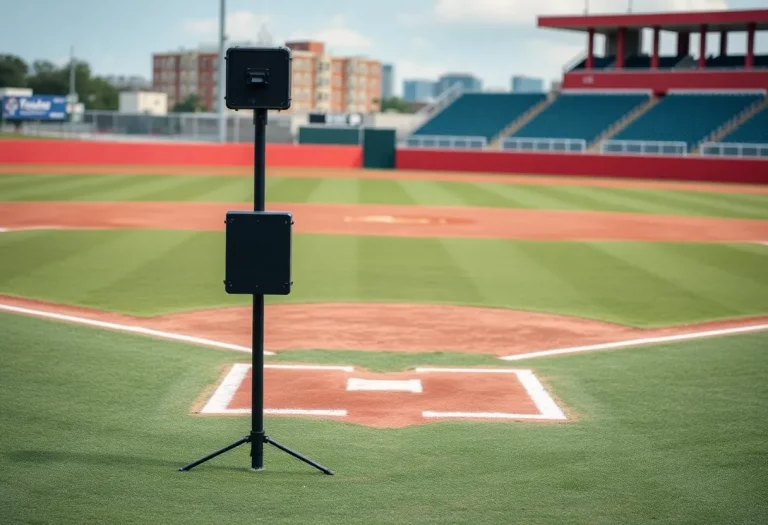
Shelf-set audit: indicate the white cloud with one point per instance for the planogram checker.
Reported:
(240, 26)
(420, 43)
(507, 12)
(336, 35)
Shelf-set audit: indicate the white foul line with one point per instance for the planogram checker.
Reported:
(129, 328)
(638, 342)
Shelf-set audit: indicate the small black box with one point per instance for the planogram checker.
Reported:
(258, 78)
(258, 253)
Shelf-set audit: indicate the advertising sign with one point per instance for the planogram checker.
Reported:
(35, 107)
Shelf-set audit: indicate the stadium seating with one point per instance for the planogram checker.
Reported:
(632, 62)
(753, 131)
(687, 118)
(735, 61)
(479, 114)
(580, 116)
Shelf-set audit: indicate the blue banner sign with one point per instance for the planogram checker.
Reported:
(35, 107)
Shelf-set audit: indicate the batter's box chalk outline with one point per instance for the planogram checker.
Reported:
(548, 409)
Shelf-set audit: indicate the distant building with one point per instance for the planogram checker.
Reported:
(180, 74)
(319, 82)
(523, 84)
(418, 90)
(468, 82)
(387, 81)
(146, 102)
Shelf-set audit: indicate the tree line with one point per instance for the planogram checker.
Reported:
(46, 78)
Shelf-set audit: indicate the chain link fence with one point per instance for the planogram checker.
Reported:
(186, 127)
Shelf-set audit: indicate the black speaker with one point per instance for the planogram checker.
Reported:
(258, 78)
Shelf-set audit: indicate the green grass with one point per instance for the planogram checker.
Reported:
(635, 283)
(379, 191)
(95, 424)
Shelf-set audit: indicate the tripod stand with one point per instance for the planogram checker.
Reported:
(257, 438)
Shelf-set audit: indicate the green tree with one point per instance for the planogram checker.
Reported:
(396, 104)
(13, 71)
(95, 92)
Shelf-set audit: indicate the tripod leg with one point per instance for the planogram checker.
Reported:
(298, 456)
(212, 455)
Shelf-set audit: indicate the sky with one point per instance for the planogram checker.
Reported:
(493, 39)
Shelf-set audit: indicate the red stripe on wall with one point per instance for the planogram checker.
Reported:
(164, 154)
(732, 170)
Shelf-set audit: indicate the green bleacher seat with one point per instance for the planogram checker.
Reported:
(687, 118)
(580, 116)
(480, 114)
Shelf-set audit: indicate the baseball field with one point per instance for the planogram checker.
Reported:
(457, 348)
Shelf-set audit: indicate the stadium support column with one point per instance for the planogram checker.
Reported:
(655, 55)
(621, 46)
(724, 43)
(749, 62)
(683, 44)
(703, 47)
(591, 48)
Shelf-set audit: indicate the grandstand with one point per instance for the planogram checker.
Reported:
(482, 115)
(580, 115)
(688, 118)
(628, 100)
(752, 131)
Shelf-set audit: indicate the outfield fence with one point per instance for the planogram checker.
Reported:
(726, 149)
(187, 127)
(644, 147)
(544, 145)
(446, 142)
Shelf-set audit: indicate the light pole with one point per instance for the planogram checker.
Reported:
(220, 91)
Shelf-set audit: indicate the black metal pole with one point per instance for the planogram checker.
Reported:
(257, 437)
(257, 334)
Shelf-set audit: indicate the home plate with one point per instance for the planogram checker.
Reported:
(384, 385)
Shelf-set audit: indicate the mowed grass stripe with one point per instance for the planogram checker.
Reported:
(65, 188)
(404, 269)
(678, 282)
(378, 191)
(154, 272)
(668, 203)
(160, 271)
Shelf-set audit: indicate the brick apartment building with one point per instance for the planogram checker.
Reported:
(183, 73)
(320, 82)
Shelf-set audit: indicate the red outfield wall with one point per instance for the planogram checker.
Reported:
(163, 154)
(623, 166)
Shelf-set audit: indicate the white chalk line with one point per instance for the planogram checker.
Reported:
(547, 407)
(31, 228)
(429, 414)
(311, 367)
(638, 342)
(129, 328)
(226, 391)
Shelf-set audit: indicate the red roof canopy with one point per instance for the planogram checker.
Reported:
(688, 21)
